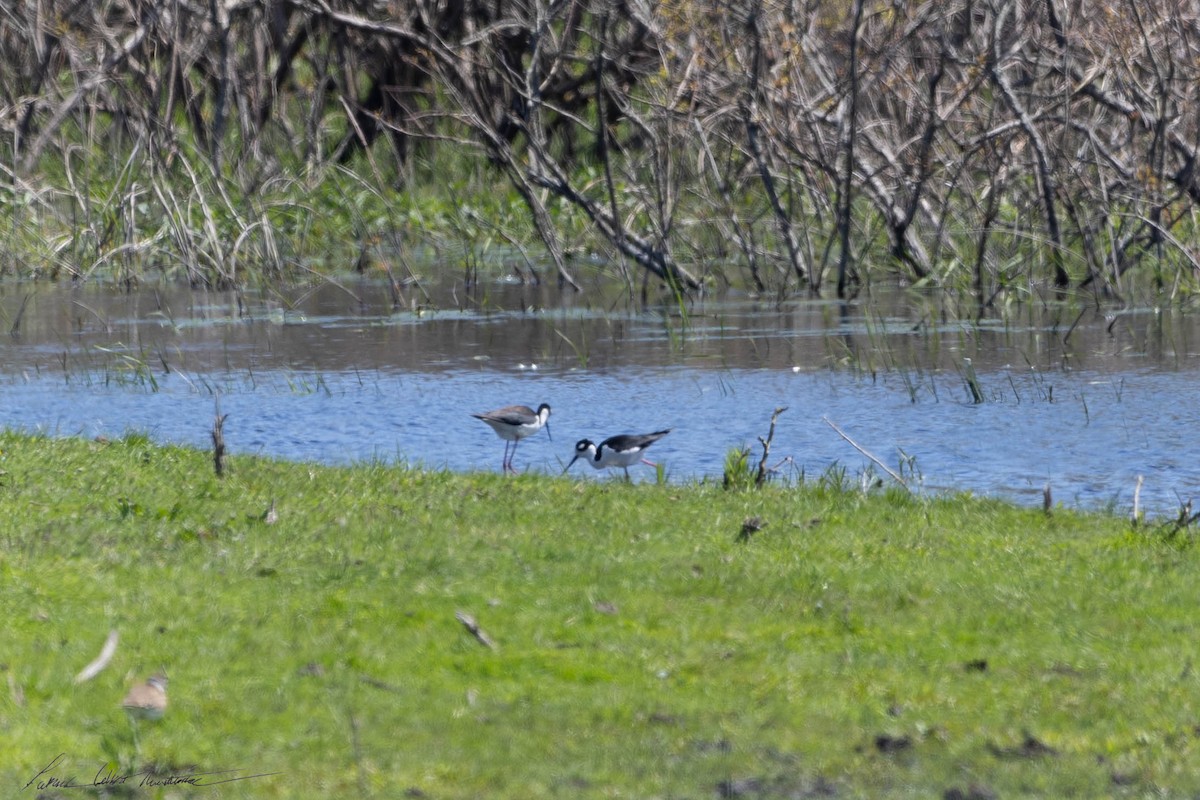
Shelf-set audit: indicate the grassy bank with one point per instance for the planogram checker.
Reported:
(854, 646)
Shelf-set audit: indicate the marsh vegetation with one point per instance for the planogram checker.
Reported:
(983, 147)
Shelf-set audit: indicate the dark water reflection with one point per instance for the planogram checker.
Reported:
(1073, 397)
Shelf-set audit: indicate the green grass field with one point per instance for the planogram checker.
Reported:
(856, 646)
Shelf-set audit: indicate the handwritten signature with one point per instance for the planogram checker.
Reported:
(47, 778)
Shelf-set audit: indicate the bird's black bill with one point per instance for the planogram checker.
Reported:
(569, 463)
(547, 426)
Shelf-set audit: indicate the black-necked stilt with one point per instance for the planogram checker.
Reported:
(616, 451)
(514, 423)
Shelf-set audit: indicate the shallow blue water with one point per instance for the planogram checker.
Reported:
(1081, 398)
(1089, 434)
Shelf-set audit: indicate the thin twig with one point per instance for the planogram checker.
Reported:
(866, 453)
(378, 684)
(473, 628)
(761, 477)
(15, 330)
(218, 439)
(101, 661)
(1137, 500)
(16, 691)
